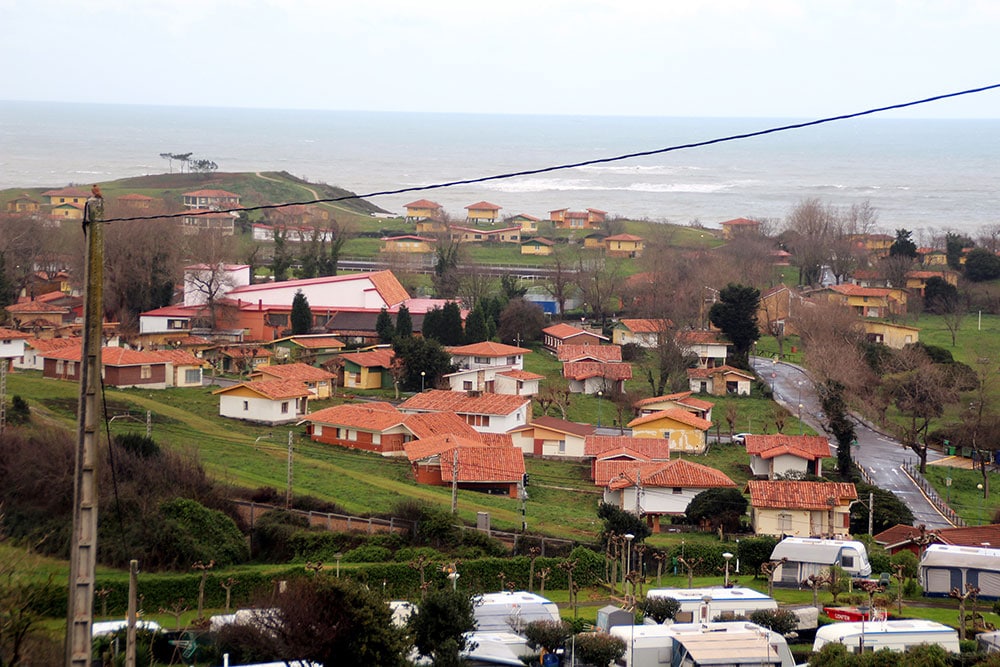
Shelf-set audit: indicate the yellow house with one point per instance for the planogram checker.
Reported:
(422, 209)
(869, 301)
(895, 336)
(595, 240)
(537, 246)
(407, 244)
(876, 245)
(431, 226)
(69, 211)
(685, 431)
(475, 235)
(317, 380)
(916, 281)
(732, 229)
(23, 204)
(66, 196)
(801, 509)
(624, 245)
(482, 211)
(932, 257)
(527, 223)
(368, 370)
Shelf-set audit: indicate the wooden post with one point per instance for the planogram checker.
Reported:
(83, 551)
(133, 584)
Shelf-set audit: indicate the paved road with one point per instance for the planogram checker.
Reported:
(880, 455)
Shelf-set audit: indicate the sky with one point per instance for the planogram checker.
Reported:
(735, 58)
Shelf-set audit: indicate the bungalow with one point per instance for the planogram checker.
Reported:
(683, 400)
(291, 233)
(36, 349)
(431, 226)
(239, 359)
(777, 455)
(476, 235)
(868, 301)
(487, 413)
(39, 314)
(610, 454)
(624, 245)
(467, 464)
(211, 199)
(537, 246)
(483, 211)
(423, 209)
(264, 401)
(313, 349)
(137, 202)
(648, 333)
(595, 240)
(207, 219)
(916, 281)
(23, 204)
(896, 336)
(720, 381)
(183, 368)
(599, 353)
(368, 370)
(315, 379)
(551, 436)
(711, 348)
(67, 211)
(488, 355)
(558, 334)
(801, 509)
(527, 223)
(732, 229)
(653, 490)
(127, 368)
(407, 243)
(380, 427)
(685, 431)
(12, 346)
(70, 195)
(517, 382)
(592, 377)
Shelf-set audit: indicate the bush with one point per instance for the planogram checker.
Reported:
(407, 554)
(781, 621)
(598, 648)
(660, 608)
(368, 554)
(19, 412)
(138, 445)
(753, 551)
(202, 534)
(548, 635)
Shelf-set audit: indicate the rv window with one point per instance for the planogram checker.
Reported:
(847, 561)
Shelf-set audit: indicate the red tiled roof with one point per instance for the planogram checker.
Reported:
(519, 374)
(424, 448)
(964, 536)
(596, 210)
(380, 358)
(483, 206)
(562, 425)
(540, 240)
(430, 424)
(738, 222)
(477, 462)
(582, 370)
(275, 390)
(563, 331)
(66, 192)
(179, 358)
(646, 325)
(134, 196)
(295, 371)
(700, 338)
(677, 473)
(408, 237)
(605, 471)
(43, 345)
(375, 416)
(683, 398)
(36, 307)
(422, 203)
(676, 414)
(496, 439)
(718, 370)
(800, 495)
(809, 447)
(527, 217)
(12, 334)
(245, 352)
(850, 289)
(439, 400)
(112, 356)
(569, 352)
(211, 193)
(653, 449)
(487, 349)
(313, 342)
(624, 237)
(389, 287)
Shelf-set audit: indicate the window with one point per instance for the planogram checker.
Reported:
(677, 490)
(376, 438)
(60, 367)
(352, 434)
(666, 435)
(481, 360)
(175, 324)
(145, 372)
(246, 406)
(847, 562)
(467, 385)
(192, 376)
(562, 446)
(284, 407)
(511, 361)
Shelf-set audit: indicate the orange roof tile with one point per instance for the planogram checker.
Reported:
(679, 473)
(211, 193)
(422, 203)
(486, 464)
(582, 370)
(429, 424)
(380, 358)
(12, 334)
(275, 390)
(563, 331)
(313, 342)
(800, 495)
(424, 448)
(676, 414)
(653, 449)
(809, 447)
(389, 287)
(33, 307)
(375, 416)
(569, 352)
(849, 289)
(295, 371)
(43, 345)
(496, 439)
(700, 338)
(439, 400)
(739, 222)
(964, 536)
(718, 370)
(487, 349)
(519, 374)
(562, 425)
(180, 358)
(646, 325)
(624, 237)
(483, 206)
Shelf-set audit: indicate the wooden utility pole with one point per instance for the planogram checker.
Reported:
(83, 550)
(288, 481)
(133, 585)
(454, 480)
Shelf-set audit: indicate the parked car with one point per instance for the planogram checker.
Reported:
(740, 439)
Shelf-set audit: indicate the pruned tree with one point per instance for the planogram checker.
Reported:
(600, 279)
(561, 282)
(809, 230)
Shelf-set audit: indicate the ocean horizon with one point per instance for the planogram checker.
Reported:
(925, 175)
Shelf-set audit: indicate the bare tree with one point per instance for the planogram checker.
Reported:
(561, 283)
(142, 265)
(210, 251)
(600, 281)
(810, 227)
(832, 338)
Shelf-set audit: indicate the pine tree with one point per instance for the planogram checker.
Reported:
(384, 327)
(404, 323)
(451, 324)
(301, 318)
(476, 330)
(433, 328)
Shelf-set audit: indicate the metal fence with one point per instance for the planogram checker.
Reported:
(913, 472)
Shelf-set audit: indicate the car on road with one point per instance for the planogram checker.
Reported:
(740, 439)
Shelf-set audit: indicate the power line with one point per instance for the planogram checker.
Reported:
(573, 165)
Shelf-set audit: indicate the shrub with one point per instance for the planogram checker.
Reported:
(753, 551)
(660, 608)
(781, 621)
(599, 649)
(548, 635)
(407, 554)
(138, 445)
(589, 566)
(368, 554)
(202, 534)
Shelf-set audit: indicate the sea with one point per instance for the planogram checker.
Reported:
(924, 175)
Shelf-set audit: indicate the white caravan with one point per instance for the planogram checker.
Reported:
(809, 555)
(697, 644)
(503, 612)
(893, 635)
(705, 604)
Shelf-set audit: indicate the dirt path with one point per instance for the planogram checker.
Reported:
(315, 195)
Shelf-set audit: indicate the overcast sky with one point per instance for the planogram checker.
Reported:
(770, 58)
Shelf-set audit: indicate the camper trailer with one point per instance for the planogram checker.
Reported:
(695, 644)
(700, 605)
(808, 555)
(893, 635)
(944, 567)
(506, 611)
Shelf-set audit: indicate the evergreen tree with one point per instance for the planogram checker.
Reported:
(476, 330)
(301, 318)
(451, 324)
(384, 327)
(735, 313)
(8, 291)
(903, 246)
(282, 259)
(421, 355)
(433, 324)
(404, 323)
(842, 428)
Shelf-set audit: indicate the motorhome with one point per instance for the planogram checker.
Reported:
(805, 556)
(697, 644)
(707, 604)
(944, 567)
(893, 635)
(511, 610)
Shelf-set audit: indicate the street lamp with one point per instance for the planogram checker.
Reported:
(774, 373)
(727, 556)
(628, 556)
(422, 375)
(599, 394)
(801, 425)
(982, 502)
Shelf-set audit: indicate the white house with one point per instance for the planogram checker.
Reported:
(710, 347)
(480, 364)
(518, 382)
(776, 455)
(551, 436)
(488, 355)
(590, 377)
(12, 345)
(267, 402)
(487, 413)
(642, 332)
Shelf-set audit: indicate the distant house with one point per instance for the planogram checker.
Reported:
(868, 301)
(314, 349)
(127, 368)
(685, 431)
(932, 257)
(720, 381)
(317, 380)
(683, 400)
(551, 436)
(240, 358)
(67, 211)
(595, 240)
(591, 377)
(902, 537)
(264, 401)
(778, 305)
(483, 211)
(479, 364)
(423, 209)
(916, 281)
(527, 223)
(537, 246)
(477, 235)
(876, 245)
(23, 204)
(648, 333)
(801, 509)
(624, 245)
(368, 370)
(518, 382)
(137, 202)
(12, 345)
(656, 489)
(896, 336)
(487, 413)
(211, 199)
(711, 348)
(732, 229)
(206, 219)
(431, 226)
(599, 353)
(558, 334)
(776, 455)
(70, 195)
(36, 349)
(467, 463)
(407, 244)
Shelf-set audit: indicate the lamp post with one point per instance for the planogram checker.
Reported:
(801, 425)
(982, 502)
(599, 394)
(628, 556)
(422, 375)
(454, 575)
(727, 556)
(774, 373)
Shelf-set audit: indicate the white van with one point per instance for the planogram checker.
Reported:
(893, 635)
